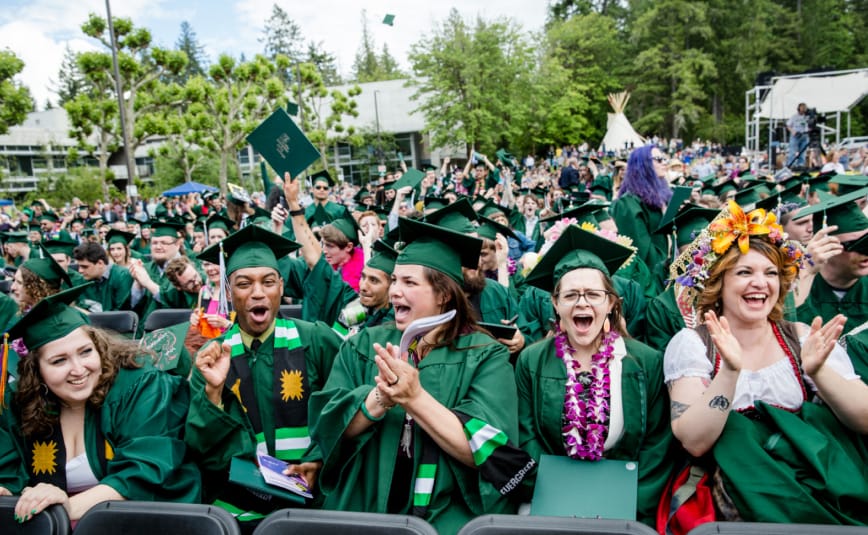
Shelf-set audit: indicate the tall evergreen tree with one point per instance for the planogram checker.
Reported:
(282, 37)
(70, 81)
(197, 61)
(325, 63)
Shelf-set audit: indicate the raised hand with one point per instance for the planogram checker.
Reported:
(820, 342)
(213, 363)
(822, 247)
(725, 342)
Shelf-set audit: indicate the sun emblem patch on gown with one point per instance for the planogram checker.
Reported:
(291, 385)
(44, 457)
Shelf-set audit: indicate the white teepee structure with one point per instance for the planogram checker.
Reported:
(619, 131)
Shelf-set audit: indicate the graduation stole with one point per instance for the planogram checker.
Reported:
(45, 459)
(290, 390)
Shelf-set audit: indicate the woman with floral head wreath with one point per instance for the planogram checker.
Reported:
(773, 410)
(591, 392)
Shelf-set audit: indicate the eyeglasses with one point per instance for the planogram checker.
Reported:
(593, 297)
(660, 159)
(321, 187)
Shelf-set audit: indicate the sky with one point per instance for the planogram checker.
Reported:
(38, 31)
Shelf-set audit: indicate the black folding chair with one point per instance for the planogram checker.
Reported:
(341, 523)
(290, 312)
(156, 518)
(550, 525)
(166, 317)
(120, 321)
(758, 528)
(51, 521)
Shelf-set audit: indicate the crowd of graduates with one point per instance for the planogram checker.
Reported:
(703, 316)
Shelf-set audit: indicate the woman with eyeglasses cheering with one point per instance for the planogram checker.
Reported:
(642, 199)
(590, 392)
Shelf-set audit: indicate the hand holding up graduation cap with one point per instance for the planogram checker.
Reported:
(822, 247)
(213, 363)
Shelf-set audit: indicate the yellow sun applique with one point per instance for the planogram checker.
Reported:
(291, 386)
(109, 452)
(236, 389)
(44, 457)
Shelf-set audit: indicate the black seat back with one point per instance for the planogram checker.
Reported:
(550, 525)
(166, 317)
(156, 518)
(52, 521)
(341, 523)
(119, 321)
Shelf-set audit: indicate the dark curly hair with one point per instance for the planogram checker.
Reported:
(39, 407)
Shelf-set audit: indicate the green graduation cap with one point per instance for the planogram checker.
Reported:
(389, 20)
(119, 236)
(50, 319)
(218, 221)
(489, 229)
(348, 226)
(821, 181)
(48, 269)
(437, 248)
(849, 183)
(413, 177)
(49, 216)
(841, 211)
(166, 229)
(722, 189)
(505, 158)
(769, 203)
(283, 145)
(16, 237)
(322, 176)
(490, 208)
(260, 216)
(748, 197)
(458, 216)
(679, 195)
(362, 195)
(383, 258)
(585, 213)
(577, 248)
(292, 108)
(690, 219)
(251, 246)
(428, 167)
(435, 203)
(62, 244)
(237, 195)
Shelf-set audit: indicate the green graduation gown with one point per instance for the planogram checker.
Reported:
(638, 221)
(214, 436)
(823, 302)
(141, 422)
(111, 293)
(664, 319)
(473, 377)
(318, 215)
(647, 438)
(322, 290)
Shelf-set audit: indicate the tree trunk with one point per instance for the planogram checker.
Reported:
(224, 170)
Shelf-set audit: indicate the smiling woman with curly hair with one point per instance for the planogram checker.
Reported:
(90, 419)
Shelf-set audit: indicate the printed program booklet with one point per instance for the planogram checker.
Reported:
(272, 472)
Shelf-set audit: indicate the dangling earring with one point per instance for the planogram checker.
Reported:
(606, 325)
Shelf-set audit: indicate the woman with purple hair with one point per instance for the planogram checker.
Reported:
(641, 202)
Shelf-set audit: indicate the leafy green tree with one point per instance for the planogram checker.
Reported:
(142, 69)
(584, 58)
(672, 67)
(236, 97)
(15, 100)
(197, 61)
(475, 81)
(323, 110)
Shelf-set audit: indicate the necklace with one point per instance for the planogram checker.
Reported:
(586, 415)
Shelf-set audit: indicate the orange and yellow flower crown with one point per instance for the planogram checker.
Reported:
(692, 267)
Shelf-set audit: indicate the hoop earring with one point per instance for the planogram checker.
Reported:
(45, 390)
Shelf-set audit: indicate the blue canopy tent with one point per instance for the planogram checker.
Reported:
(187, 188)
(6, 202)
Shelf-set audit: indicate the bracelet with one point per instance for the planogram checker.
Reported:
(367, 413)
(293, 213)
(379, 401)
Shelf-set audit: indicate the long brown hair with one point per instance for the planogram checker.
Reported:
(39, 408)
(709, 299)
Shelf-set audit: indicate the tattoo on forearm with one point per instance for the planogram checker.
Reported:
(719, 402)
(677, 409)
